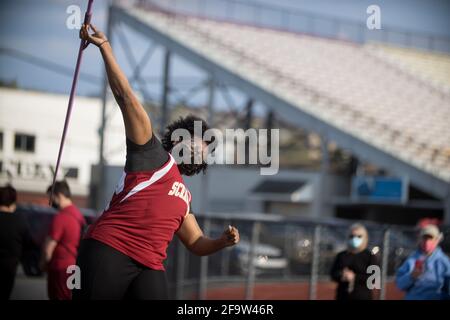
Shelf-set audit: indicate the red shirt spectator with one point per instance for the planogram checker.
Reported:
(61, 245)
(66, 230)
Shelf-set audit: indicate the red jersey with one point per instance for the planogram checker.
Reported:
(147, 208)
(66, 230)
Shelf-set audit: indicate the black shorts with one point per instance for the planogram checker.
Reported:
(107, 274)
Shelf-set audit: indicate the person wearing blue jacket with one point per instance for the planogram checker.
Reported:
(425, 275)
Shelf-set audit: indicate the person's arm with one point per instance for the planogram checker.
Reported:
(193, 238)
(404, 278)
(55, 234)
(47, 252)
(336, 270)
(137, 123)
(445, 291)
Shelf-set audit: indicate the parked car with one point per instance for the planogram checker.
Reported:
(267, 259)
(297, 242)
(39, 219)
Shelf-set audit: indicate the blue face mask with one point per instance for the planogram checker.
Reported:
(355, 242)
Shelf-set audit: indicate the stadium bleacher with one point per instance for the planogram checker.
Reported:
(359, 89)
(431, 67)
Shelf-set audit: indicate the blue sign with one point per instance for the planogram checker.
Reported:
(380, 189)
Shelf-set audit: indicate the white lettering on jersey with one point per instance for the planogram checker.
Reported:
(174, 188)
(179, 190)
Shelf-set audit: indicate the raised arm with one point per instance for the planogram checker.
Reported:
(137, 123)
(192, 237)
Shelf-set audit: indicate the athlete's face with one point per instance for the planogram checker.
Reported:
(197, 163)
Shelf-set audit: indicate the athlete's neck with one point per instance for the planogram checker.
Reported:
(65, 203)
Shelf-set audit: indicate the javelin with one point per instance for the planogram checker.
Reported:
(83, 45)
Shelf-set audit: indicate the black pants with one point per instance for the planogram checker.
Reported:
(107, 274)
(8, 269)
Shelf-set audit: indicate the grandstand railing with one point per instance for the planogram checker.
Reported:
(299, 21)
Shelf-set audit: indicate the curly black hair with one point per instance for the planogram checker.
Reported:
(186, 123)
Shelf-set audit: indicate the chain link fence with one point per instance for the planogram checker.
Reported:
(282, 258)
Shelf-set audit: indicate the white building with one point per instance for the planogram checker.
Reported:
(31, 125)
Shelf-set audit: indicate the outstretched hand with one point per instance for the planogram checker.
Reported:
(97, 38)
(230, 236)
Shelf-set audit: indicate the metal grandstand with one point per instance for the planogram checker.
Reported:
(384, 112)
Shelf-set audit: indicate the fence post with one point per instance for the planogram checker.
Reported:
(204, 266)
(225, 262)
(251, 261)
(315, 264)
(288, 249)
(205, 198)
(384, 263)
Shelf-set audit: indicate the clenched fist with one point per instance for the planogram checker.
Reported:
(97, 38)
(230, 236)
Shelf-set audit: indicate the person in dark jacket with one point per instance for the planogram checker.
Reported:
(349, 269)
(15, 238)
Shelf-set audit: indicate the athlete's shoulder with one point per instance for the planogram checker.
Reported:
(147, 157)
(175, 171)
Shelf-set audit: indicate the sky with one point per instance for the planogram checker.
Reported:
(38, 28)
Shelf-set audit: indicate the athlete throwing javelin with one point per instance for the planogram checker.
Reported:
(123, 252)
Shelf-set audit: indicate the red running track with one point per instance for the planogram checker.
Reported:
(287, 291)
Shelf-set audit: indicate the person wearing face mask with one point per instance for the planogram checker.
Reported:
(349, 269)
(61, 244)
(425, 274)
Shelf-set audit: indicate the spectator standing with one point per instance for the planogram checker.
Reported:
(61, 245)
(425, 274)
(349, 269)
(15, 239)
